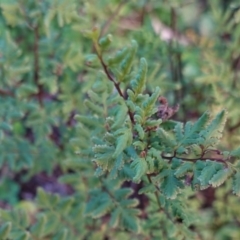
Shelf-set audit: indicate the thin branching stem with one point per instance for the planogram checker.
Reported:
(201, 158)
(112, 79)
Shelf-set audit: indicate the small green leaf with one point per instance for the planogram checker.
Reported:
(120, 118)
(220, 177)
(149, 188)
(23, 236)
(140, 131)
(235, 153)
(138, 85)
(120, 55)
(171, 186)
(38, 227)
(25, 90)
(105, 42)
(42, 197)
(115, 216)
(5, 230)
(91, 60)
(130, 221)
(122, 142)
(183, 169)
(62, 235)
(140, 167)
(208, 172)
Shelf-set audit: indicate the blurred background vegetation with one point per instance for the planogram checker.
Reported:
(46, 70)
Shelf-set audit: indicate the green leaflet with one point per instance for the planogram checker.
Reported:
(123, 213)
(166, 138)
(140, 131)
(169, 184)
(91, 60)
(180, 210)
(103, 149)
(115, 217)
(110, 138)
(140, 111)
(15, 230)
(129, 220)
(126, 64)
(130, 104)
(100, 203)
(198, 125)
(119, 56)
(169, 125)
(66, 204)
(130, 203)
(196, 150)
(235, 153)
(102, 208)
(138, 119)
(62, 235)
(149, 103)
(213, 132)
(207, 173)
(5, 126)
(38, 228)
(120, 118)
(99, 87)
(182, 150)
(25, 90)
(183, 169)
(178, 129)
(191, 131)
(46, 199)
(151, 165)
(220, 177)
(5, 230)
(23, 236)
(164, 173)
(90, 122)
(140, 167)
(176, 162)
(105, 42)
(104, 160)
(93, 107)
(149, 188)
(42, 197)
(119, 164)
(53, 222)
(140, 145)
(138, 84)
(122, 142)
(197, 170)
(153, 123)
(110, 157)
(122, 193)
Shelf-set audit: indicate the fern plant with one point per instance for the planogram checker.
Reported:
(70, 101)
(140, 138)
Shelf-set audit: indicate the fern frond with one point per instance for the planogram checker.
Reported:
(213, 132)
(139, 83)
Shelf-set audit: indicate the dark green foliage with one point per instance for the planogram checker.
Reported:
(127, 132)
